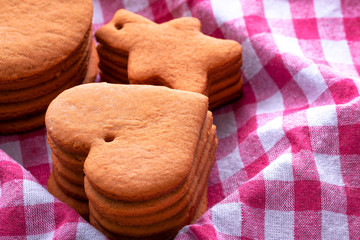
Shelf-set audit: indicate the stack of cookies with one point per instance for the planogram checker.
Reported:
(146, 152)
(135, 50)
(45, 49)
(66, 181)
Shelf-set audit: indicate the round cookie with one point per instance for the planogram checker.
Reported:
(19, 109)
(28, 47)
(166, 236)
(28, 123)
(22, 125)
(52, 73)
(92, 70)
(49, 86)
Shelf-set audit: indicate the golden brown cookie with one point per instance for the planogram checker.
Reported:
(156, 209)
(46, 87)
(79, 206)
(68, 173)
(92, 69)
(178, 221)
(226, 95)
(112, 236)
(202, 208)
(112, 77)
(145, 111)
(75, 162)
(184, 55)
(44, 51)
(71, 189)
(17, 110)
(46, 35)
(127, 139)
(124, 136)
(119, 58)
(225, 83)
(137, 226)
(54, 72)
(174, 54)
(22, 125)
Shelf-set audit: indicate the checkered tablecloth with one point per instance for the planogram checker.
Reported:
(288, 162)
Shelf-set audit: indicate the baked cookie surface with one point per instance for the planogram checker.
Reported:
(144, 135)
(174, 54)
(35, 36)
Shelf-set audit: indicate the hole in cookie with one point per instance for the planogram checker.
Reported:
(118, 26)
(109, 138)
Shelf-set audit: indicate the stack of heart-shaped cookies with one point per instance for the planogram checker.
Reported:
(66, 181)
(45, 49)
(146, 152)
(135, 50)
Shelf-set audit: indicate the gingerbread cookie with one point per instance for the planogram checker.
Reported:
(43, 52)
(174, 54)
(173, 202)
(139, 181)
(81, 207)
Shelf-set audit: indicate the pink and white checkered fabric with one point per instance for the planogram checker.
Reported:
(288, 162)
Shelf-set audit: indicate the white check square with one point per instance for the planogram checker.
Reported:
(225, 125)
(98, 17)
(329, 168)
(275, 103)
(322, 116)
(272, 9)
(334, 226)
(13, 149)
(311, 82)
(279, 224)
(87, 232)
(48, 235)
(280, 169)
(271, 133)
(34, 194)
(288, 45)
(337, 51)
(326, 9)
(251, 63)
(227, 218)
(226, 12)
(229, 165)
(135, 6)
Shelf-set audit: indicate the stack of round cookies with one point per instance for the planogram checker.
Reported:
(45, 49)
(135, 50)
(146, 152)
